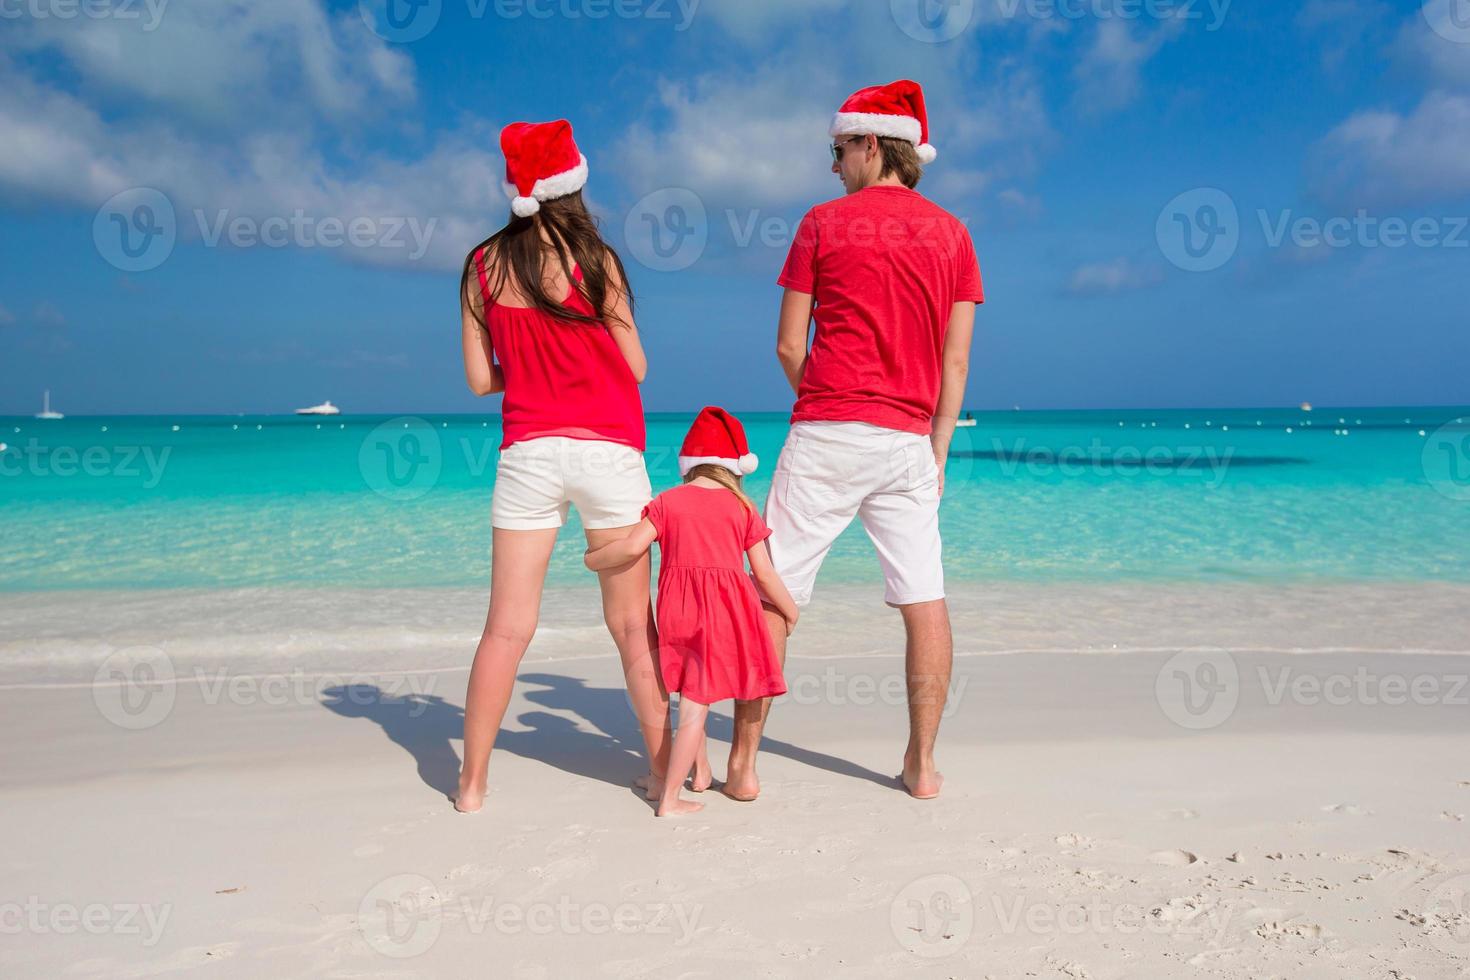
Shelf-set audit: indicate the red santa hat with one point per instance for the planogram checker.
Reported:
(717, 437)
(895, 109)
(542, 162)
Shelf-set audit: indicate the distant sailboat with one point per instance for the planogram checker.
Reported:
(46, 412)
(325, 408)
(1306, 406)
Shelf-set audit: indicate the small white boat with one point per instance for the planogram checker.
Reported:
(965, 421)
(1306, 406)
(46, 412)
(325, 408)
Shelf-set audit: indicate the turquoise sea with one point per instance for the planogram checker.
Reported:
(138, 502)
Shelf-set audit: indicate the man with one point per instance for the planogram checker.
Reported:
(892, 282)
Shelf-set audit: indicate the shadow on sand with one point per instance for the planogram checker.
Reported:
(603, 742)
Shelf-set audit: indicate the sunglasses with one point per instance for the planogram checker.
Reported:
(840, 145)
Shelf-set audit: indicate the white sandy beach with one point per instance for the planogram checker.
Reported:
(270, 801)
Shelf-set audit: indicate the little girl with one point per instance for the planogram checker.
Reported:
(713, 644)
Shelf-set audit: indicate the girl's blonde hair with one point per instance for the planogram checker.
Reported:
(722, 476)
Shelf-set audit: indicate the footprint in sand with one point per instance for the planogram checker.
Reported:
(1076, 841)
(1350, 809)
(1173, 859)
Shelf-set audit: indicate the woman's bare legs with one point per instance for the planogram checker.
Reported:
(629, 617)
(692, 717)
(518, 561)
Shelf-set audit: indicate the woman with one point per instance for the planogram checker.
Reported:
(548, 321)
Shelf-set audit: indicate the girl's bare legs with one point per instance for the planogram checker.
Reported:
(517, 572)
(629, 617)
(692, 717)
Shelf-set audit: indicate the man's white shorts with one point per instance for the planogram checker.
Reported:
(537, 480)
(831, 472)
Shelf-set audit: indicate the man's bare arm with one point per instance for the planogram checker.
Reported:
(791, 337)
(955, 372)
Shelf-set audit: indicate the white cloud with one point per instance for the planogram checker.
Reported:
(1109, 76)
(1423, 49)
(1385, 159)
(229, 63)
(753, 141)
(69, 154)
(1119, 275)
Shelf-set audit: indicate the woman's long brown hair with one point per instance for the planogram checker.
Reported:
(519, 250)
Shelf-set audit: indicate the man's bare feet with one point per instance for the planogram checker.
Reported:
(678, 807)
(469, 800)
(741, 785)
(922, 782)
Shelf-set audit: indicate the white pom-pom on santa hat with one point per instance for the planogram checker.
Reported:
(894, 110)
(717, 438)
(542, 163)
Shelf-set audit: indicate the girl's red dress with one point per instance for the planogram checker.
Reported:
(713, 643)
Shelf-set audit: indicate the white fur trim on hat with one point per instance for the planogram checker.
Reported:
(876, 124)
(548, 188)
(744, 466)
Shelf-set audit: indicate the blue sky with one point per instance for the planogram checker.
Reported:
(1081, 140)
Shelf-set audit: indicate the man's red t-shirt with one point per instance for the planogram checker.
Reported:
(885, 266)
